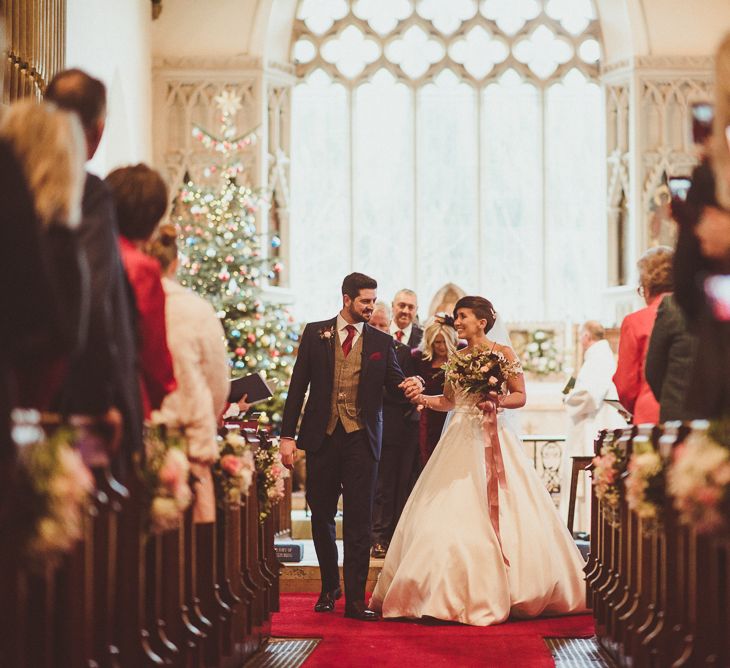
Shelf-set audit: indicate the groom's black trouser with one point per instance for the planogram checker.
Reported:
(343, 465)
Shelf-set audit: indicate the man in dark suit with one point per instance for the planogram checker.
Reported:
(103, 379)
(403, 327)
(398, 467)
(345, 363)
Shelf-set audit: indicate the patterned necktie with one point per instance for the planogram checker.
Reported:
(399, 335)
(347, 343)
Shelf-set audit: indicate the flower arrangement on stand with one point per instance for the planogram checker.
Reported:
(271, 474)
(55, 485)
(699, 480)
(608, 467)
(234, 470)
(645, 484)
(540, 355)
(166, 475)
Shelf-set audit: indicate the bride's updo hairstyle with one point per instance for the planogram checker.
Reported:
(482, 309)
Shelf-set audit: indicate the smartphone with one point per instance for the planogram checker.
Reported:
(717, 289)
(679, 187)
(702, 114)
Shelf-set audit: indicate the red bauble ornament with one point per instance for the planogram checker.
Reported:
(240, 352)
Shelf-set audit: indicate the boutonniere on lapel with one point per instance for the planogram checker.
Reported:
(374, 357)
(326, 333)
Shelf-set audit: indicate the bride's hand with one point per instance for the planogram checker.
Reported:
(491, 404)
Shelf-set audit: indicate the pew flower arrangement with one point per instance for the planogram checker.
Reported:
(166, 476)
(699, 480)
(271, 475)
(59, 484)
(645, 482)
(608, 467)
(234, 469)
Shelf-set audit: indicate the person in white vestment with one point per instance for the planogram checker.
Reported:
(479, 539)
(588, 413)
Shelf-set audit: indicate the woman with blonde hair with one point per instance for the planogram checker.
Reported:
(656, 279)
(438, 343)
(43, 210)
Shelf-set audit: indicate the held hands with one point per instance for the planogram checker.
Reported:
(288, 451)
(412, 387)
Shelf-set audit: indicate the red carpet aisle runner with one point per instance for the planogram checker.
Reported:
(351, 644)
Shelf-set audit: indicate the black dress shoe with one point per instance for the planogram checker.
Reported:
(358, 610)
(379, 551)
(326, 600)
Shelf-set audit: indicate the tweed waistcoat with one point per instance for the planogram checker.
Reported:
(343, 403)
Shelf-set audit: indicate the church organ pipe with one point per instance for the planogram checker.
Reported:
(35, 46)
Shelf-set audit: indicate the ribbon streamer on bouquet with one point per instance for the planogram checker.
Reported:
(495, 469)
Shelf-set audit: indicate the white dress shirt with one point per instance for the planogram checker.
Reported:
(406, 332)
(342, 329)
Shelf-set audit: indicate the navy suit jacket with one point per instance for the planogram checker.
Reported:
(314, 369)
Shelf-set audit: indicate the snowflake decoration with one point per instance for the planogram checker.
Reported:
(228, 102)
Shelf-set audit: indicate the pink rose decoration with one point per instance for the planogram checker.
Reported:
(231, 464)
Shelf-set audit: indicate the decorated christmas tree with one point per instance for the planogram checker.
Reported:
(223, 259)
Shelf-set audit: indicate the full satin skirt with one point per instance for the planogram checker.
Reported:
(446, 559)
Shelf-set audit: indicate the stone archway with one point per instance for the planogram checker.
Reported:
(445, 299)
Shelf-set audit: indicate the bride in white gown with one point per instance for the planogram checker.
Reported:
(479, 538)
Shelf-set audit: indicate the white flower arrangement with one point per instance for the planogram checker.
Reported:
(234, 469)
(271, 475)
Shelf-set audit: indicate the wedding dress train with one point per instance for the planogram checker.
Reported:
(451, 560)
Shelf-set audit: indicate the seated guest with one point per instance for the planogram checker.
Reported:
(588, 414)
(669, 360)
(438, 343)
(398, 466)
(655, 281)
(197, 343)
(140, 199)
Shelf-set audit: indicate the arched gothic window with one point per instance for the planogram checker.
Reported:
(438, 141)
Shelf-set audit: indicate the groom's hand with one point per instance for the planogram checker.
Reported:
(288, 450)
(412, 387)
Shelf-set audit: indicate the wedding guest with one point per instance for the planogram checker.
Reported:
(103, 379)
(398, 467)
(41, 337)
(140, 199)
(702, 260)
(669, 360)
(438, 343)
(403, 325)
(200, 360)
(655, 281)
(588, 413)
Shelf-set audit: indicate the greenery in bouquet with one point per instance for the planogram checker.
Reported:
(166, 476)
(53, 488)
(608, 467)
(234, 470)
(541, 355)
(699, 479)
(645, 482)
(271, 474)
(481, 371)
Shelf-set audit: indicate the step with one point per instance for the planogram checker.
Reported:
(301, 526)
(304, 577)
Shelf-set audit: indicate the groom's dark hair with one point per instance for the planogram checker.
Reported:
(355, 282)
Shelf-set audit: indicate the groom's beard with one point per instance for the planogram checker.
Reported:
(360, 317)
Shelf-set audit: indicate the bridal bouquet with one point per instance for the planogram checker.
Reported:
(271, 474)
(234, 469)
(166, 476)
(481, 371)
(699, 481)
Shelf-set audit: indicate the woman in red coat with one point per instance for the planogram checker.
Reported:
(655, 281)
(140, 197)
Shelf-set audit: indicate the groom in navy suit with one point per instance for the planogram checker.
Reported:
(345, 363)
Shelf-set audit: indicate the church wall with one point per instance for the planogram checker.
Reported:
(118, 51)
